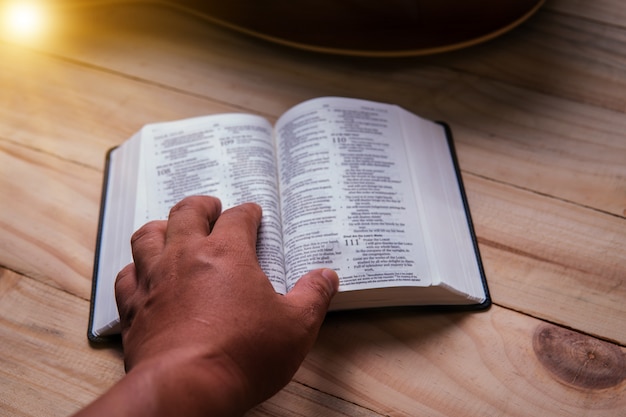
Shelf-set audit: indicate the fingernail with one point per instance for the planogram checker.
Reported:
(332, 278)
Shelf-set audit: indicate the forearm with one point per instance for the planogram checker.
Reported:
(185, 386)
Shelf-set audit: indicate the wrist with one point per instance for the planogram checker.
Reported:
(179, 383)
(188, 383)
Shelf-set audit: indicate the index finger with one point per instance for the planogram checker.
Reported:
(193, 217)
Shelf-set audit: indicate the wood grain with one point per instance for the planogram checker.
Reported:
(300, 400)
(46, 364)
(579, 360)
(552, 259)
(452, 365)
(78, 112)
(364, 364)
(609, 12)
(47, 216)
(558, 54)
(538, 117)
(494, 90)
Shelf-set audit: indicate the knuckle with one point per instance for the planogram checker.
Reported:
(193, 202)
(184, 204)
(148, 230)
(250, 213)
(122, 276)
(252, 209)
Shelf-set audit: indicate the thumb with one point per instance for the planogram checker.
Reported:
(314, 291)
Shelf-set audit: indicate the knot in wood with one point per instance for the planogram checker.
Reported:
(577, 359)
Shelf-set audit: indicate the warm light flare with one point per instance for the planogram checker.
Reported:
(23, 20)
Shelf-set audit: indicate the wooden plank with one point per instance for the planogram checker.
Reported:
(301, 400)
(390, 363)
(571, 151)
(46, 364)
(492, 89)
(566, 56)
(609, 12)
(48, 217)
(552, 259)
(78, 112)
(573, 56)
(487, 364)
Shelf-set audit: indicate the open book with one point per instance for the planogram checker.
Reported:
(365, 188)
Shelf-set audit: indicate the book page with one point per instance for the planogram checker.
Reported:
(347, 195)
(231, 157)
(114, 251)
(451, 246)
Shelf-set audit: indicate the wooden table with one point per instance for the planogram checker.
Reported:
(539, 117)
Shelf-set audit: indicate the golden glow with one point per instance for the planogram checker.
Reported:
(23, 20)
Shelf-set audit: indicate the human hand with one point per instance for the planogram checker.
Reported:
(201, 323)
